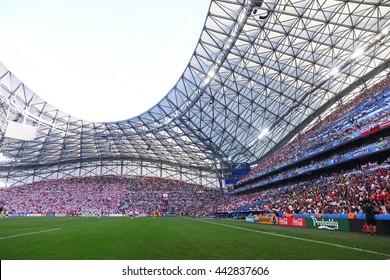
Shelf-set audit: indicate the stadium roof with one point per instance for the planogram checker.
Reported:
(261, 72)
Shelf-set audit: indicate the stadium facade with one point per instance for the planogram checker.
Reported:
(261, 73)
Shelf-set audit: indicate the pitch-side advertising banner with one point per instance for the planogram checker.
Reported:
(292, 222)
(265, 220)
(328, 224)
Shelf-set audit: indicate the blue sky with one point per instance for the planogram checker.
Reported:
(100, 60)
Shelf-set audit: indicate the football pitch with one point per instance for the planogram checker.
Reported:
(178, 238)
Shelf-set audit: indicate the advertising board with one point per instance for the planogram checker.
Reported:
(328, 224)
(292, 222)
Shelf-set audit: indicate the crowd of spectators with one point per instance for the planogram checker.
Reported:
(146, 194)
(315, 165)
(366, 110)
(337, 193)
(102, 195)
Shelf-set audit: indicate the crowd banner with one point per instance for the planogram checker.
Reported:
(292, 222)
(328, 224)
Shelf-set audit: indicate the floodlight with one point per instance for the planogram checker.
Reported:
(263, 133)
(357, 53)
(334, 71)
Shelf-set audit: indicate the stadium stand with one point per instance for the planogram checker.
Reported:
(335, 167)
(367, 111)
(104, 195)
(337, 193)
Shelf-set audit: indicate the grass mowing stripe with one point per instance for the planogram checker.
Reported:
(296, 238)
(30, 233)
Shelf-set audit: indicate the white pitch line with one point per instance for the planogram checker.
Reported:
(298, 238)
(29, 233)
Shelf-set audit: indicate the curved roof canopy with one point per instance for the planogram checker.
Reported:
(261, 72)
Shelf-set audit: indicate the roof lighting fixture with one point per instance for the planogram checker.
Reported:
(228, 44)
(357, 53)
(5, 159)
(334, 71)
(207, 80)
(263, 133)
(378, 37)
(241, 18)
(211, 74)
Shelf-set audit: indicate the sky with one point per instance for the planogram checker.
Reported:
(100, 60)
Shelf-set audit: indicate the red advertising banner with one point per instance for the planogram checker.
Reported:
(292, 222)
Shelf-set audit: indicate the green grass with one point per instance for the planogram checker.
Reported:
(180, 238)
